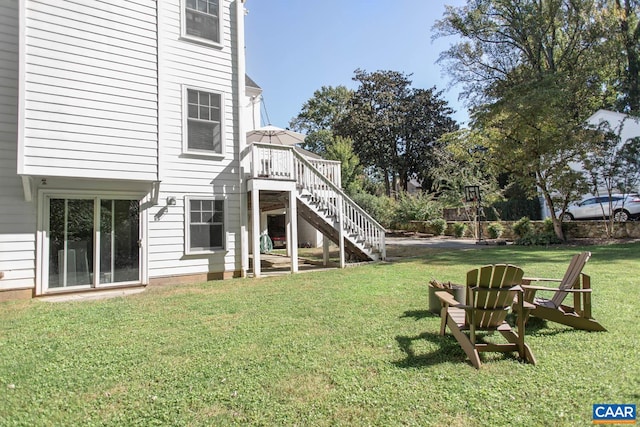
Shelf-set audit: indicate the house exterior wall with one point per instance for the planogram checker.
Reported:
(187, 64)
(252, 107)
(308, 235)
(90, 89)
(17, 216)
(627, 126)
(92, 102)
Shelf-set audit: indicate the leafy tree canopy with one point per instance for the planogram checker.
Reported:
(531, 75)
(395, 127)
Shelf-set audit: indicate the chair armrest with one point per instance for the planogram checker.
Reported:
(447, 298)
(512, 288)
(543, 288)
(539, 279)
(528, 305)
(539, 288)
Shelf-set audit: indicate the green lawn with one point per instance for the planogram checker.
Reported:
(346, 347)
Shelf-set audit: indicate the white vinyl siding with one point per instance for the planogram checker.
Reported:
(90, 97)
(101, 88)
(183, 173)
(17, 217)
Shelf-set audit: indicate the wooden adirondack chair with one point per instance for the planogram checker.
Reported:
(491, 291)
(574, 282)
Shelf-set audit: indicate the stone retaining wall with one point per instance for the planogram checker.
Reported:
(574, 229)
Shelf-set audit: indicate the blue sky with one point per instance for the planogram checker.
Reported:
(295, 47)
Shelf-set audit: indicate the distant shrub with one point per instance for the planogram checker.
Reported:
(381, 208)
(538, 239)
(438, 226)
(547, 225)
(391, 212)
(529, 237)
(523, 227)
(419, 207)
(459, 228)
(495, 230)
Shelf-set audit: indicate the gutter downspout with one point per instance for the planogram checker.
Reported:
(242, 136)
(155, 191)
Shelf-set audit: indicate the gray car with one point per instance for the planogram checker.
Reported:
(623, 206)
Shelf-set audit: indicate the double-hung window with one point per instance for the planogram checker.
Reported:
(204, 122)
(205, 225)
(202, 20)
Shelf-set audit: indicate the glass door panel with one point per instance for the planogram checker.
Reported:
(84, 234)
(71, 237)
(119, 237)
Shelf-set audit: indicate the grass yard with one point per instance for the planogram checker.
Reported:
(345, 347)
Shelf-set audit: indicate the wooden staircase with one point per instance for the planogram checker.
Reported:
(320, 200)
(324, 205)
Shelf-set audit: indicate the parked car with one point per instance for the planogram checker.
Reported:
(623, 206)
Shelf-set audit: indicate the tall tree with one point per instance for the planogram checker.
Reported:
(394, 126)
(614, 167)
(426, 120)
(341, 149)
(529, 71)
(621, 29)
(463, 162)
(320, 115)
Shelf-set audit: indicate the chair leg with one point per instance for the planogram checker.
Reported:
(524, 351)
(443, 318)
(465, 343)
(576, 322)
(529, 357)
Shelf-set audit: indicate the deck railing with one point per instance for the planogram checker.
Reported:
(320, 179)
(272, 161)
(354, 220)
(276, 162)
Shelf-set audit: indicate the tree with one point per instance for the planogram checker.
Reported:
(341, 149)
(614, 166)
(427, 119)
(529, 71)
(463, 162)
(621, 29)
(395, 127)
(328, 106)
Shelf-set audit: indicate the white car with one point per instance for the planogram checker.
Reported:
(624, 207)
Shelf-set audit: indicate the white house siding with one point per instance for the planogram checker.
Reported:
(17, 217)
(187, 64)
(622, 125)
(90, 89)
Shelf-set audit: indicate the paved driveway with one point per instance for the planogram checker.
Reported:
(435, 242)
(413, 246)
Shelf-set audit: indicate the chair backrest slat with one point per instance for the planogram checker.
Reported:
(489, 291)
(571, 277)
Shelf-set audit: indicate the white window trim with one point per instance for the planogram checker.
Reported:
(185, 124)
(200, 40)
(187, 225)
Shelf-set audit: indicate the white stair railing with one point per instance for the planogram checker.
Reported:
(330, 199)
(320, 181)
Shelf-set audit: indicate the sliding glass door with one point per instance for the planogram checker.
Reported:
(119, 237)
(89, 235)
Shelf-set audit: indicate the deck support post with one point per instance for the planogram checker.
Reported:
(255, 230)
